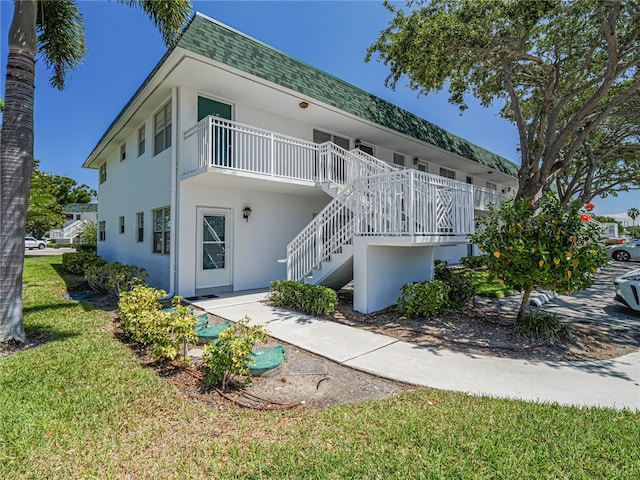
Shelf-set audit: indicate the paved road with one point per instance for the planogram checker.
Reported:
(48, 251)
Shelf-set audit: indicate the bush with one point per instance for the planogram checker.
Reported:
(423, 299)
(476, 261)
(311, 299)
(460, 285)
(86, 248)
(114, 278)
(165, 333)
(542, 324)
(78, 262)
(228, 356)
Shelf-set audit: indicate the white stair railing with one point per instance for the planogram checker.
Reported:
(70, 231)
(401, 203)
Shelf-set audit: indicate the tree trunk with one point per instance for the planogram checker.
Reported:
(525, 301)
(16, 165)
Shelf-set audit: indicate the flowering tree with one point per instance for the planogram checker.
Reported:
(543, 244)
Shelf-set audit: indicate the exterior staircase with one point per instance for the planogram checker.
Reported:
(372, 199)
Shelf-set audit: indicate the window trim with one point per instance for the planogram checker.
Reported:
(102, 231)
(165, 133)
(164, 231)
(142, 139)
(140, 227)
(102, 173)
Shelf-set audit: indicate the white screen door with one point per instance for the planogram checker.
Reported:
(214, 257)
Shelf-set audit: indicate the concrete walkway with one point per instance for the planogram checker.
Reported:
(610, 383)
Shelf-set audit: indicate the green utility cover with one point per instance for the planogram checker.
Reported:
(212, 331)
(201, 320)
(266, 358)
(173, 309)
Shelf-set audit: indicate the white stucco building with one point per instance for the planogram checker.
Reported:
(235, 164)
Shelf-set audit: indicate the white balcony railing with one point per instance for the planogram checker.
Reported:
(375, 198)
(483, 197)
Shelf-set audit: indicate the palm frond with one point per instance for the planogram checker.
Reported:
(169, 16)
(61, 41)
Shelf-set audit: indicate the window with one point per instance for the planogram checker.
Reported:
(123, 152)
(102, 231)
(140, 222)
(162, 129)
(365, 148)
(398, 159)
(446, 173)
(321, 137)
(161, 230)
(469, 180)
(142, 133)
(121, 225)
(492, 186)
(103, 173)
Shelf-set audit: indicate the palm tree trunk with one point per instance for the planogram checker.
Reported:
(16, 165)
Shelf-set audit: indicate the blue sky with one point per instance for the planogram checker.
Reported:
(123, 46)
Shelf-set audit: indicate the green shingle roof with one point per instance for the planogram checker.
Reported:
(223, 44)
(80, 208)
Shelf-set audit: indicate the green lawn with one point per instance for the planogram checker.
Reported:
(486, 285)
(82, 406)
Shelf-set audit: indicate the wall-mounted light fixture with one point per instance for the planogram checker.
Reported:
(246, 213)
(490, 172)
(303, 105)
(357, 143)
(416, 161)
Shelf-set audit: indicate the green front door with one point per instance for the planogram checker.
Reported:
(222, 133)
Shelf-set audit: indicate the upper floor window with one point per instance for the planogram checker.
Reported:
(121, 225)
(141, 140)
(364, 147)
(398, 159)
(103, 172)
(492, 186)
(162, 129)
(321, 137)
(123, 152)
(102, 231)
(446, 173)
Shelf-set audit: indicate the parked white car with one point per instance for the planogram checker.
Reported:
(628, 290)
(31, 243)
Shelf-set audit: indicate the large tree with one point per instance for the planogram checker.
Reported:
(558, 68)
(53, 28)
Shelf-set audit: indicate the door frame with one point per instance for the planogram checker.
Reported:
(225, 282)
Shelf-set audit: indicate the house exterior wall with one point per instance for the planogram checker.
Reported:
(136, 184)
(380, 271)
(258, 243)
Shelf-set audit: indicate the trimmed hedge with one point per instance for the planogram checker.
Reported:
(311, 299)
(78, 262)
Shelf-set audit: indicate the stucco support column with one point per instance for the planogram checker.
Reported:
(379, 271)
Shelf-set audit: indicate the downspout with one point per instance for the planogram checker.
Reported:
(175, 141)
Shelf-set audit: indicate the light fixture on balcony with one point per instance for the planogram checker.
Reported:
(303, 105)
(357, 143)
(246, 213)
(416, 161)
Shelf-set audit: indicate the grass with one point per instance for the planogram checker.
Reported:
(487, 285)
(82, 406)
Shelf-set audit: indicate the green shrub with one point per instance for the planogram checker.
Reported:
(227, 357)
(311, 299)
(86, 248)
(165, 333)
(78, 262)
(423, 299)
(476, 261)
(114, 278)
(542, 324)
(460, 285)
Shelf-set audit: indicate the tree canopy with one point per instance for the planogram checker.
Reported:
(559, 69)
